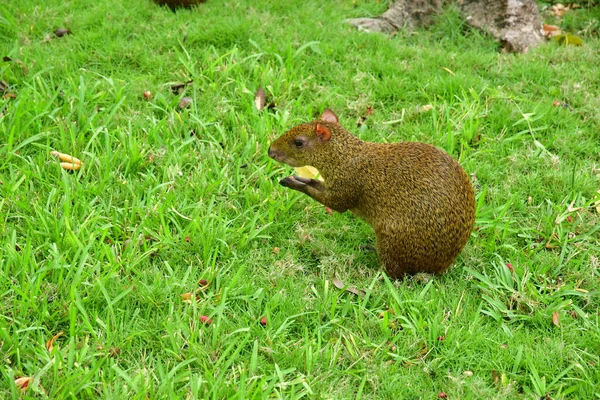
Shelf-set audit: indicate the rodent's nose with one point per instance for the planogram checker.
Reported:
(272, 153)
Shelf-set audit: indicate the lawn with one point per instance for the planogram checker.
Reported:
(177, 214)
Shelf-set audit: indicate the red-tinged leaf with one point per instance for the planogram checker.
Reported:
(203, 282)
(569, 218)
(510, 266)
(50, 342)
(442, 395)
(263, 321)
(556, 318)
(260, 99)
(23, 382)
(205, 320)
(340, 285)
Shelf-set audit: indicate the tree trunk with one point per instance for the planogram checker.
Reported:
(516, 23)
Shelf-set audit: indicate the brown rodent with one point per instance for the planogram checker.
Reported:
(173, 4)
(418, 199)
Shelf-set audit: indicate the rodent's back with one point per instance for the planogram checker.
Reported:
(420, 202)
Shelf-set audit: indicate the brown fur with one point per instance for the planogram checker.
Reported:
(418, 199)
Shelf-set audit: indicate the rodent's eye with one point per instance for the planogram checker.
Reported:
(299, 143)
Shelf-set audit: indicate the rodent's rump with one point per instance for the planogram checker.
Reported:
(418, 198)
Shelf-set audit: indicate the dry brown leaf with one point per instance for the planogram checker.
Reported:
(60, 32)
(4, 87)
(21, 63)
(22, 382)
(176, 89)
(50, 342)
(340, 285)
(259, 99)
(556, 318)
(550, 30)
(187, 297)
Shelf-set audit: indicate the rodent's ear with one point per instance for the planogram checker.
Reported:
(322, 132)
(329, 116)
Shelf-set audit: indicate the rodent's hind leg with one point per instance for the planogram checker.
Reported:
(392, 257)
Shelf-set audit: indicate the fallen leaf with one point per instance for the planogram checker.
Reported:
(569, 40)
(556, 318)
(184, 102)
(50, 342)
(263, 321)
(176, 89)
(495, 377)
(559, 9)
(548, 245)
(425, 108)
(147, 95)
(203, 282)
(259, 99)
(442, 395)
(187, 297)
(60, 32)
(448, 71)
(205, 320)
(550, 30)
(22, 382)
(21, 63)
(340, 285)
(114, 351)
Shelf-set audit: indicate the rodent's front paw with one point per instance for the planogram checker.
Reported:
(291, 182)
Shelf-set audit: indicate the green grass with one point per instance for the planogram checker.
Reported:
(167, 197)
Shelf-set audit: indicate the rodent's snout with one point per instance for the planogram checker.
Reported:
(272, 153)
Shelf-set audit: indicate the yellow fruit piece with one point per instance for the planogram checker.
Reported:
(308, 172)
(70, 166)
(66, 158)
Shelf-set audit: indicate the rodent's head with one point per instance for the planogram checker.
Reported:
(307, 144)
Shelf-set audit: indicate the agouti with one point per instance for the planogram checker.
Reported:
(173, 4)
(418, 199)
